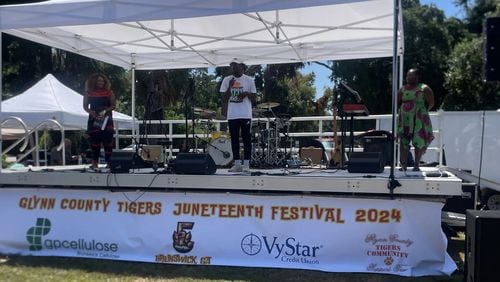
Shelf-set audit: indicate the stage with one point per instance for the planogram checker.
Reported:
(430, 181)
(307, 218)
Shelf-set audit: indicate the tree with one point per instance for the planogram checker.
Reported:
(371, 78)
(300, 98)
(427, 45)
(477, 12)
(429, 38)
(24, 63)
(467, 91)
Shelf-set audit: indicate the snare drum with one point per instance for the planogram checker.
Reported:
(220, 150)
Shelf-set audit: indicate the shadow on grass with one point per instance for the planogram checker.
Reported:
(204, 273)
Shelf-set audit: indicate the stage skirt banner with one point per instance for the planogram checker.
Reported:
(401, 237)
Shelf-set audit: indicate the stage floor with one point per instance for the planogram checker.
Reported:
(427, 182)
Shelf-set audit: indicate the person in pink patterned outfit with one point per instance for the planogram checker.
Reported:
(415, 100)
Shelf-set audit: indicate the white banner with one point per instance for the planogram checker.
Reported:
(334, 234)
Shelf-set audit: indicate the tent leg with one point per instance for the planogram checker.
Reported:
(132, 63)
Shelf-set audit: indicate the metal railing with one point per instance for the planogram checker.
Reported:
(25, 144)
(36, 146)
(319, 123)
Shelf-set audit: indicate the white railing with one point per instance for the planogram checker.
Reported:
(316, 123)
(376, 122)
(25, 144)
(36, 146)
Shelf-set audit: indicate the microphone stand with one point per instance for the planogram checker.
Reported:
(185, 146)
(189, 93)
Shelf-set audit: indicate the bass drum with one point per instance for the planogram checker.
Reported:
(220, 151)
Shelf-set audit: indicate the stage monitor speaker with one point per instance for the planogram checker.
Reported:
(492, 49)
(365, 162)
(380, 144)
(121, 161)
(482, 245)
(192, 163)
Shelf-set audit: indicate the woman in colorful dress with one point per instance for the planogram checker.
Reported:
(415, 99)
(99, 101)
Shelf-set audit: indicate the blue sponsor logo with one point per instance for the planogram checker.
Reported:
(252, 244)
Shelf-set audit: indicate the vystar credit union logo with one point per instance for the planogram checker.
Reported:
(251, 244)
(35, 233)
(287, 250)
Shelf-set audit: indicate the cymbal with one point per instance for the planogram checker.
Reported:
(258, 110)
(268, 105)
(204, 112)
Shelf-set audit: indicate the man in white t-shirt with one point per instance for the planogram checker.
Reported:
(238, 91)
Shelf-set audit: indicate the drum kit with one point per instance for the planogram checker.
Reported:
(267, 151)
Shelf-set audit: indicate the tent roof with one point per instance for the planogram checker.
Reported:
(158, 34)
(50, 99)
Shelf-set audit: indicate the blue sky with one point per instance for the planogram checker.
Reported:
(322, 73)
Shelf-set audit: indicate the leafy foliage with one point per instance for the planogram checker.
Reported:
(464, 79)
(468, 91)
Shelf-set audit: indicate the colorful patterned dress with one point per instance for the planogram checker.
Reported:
(414, 124)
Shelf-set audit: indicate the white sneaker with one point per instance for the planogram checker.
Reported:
(236, 168)
(246, 166)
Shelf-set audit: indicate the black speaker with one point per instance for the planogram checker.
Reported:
(380, 144)
(482, 261)
(492, 49)
(191, 163)
(121, 161)
(365, 162)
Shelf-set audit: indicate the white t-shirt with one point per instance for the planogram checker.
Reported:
(236, 109)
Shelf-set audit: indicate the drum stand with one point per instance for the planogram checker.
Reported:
(266, 151)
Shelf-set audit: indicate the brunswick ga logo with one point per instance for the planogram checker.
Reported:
(182, 238)
(35, 233)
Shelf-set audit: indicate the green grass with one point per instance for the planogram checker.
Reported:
(30, 268)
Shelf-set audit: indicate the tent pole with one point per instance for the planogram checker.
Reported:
(1, 94)
(392, 182)
(401, 62)
(133, 95)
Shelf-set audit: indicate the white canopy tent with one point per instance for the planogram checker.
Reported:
(170, 34)
(50, 99)
(158, 34)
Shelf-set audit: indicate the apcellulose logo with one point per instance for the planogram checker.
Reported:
(82, 246)
(35, 233)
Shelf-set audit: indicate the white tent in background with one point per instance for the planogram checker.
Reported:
(50, 99)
